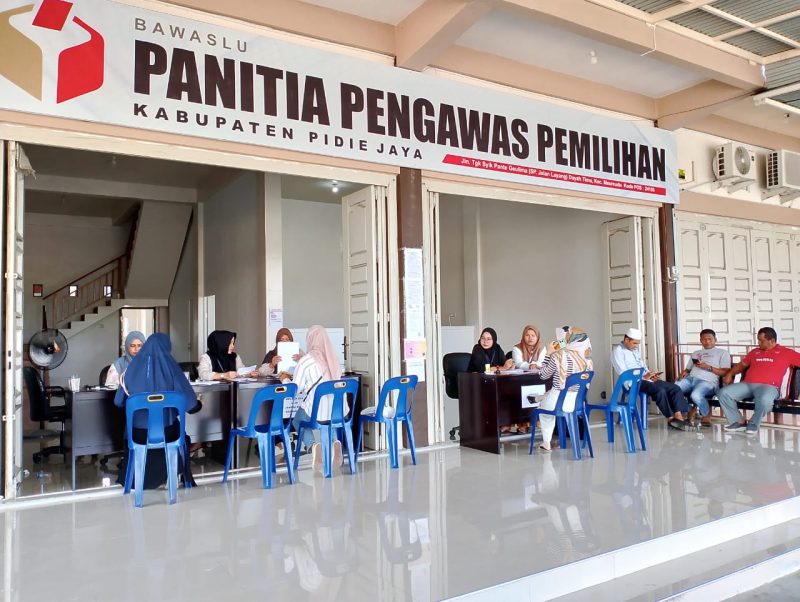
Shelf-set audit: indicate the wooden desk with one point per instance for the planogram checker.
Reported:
(98, 426)
(486, 401)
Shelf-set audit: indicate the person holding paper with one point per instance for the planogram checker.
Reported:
(269, 365)
(220, 361)
(318, 365)
(558, 364)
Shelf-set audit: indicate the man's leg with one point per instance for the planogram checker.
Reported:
(677, 400)
(657, 394)
(686, 385)
(700, 394)
(728, 396)
(764, 397)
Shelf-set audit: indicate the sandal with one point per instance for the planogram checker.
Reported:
(682, 425)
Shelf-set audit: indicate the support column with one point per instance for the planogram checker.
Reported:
(273, 255)
(412, 294)
(666, 231)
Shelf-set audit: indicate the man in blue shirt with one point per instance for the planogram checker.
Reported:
(668, 397)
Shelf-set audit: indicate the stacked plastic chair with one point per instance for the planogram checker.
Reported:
(156, 405)
(580, 380)
(392, 415)
(339, 423)
(625, 402)
(266, 433)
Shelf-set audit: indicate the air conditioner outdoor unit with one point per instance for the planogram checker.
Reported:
(734, 163)
(783, 170)
(783, 175)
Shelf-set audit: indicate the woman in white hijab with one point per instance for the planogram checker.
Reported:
(559, 364)
(319, 364)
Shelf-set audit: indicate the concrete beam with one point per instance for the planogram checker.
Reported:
(608, 25)
(433, 27)
(111, 188)
(682, 108)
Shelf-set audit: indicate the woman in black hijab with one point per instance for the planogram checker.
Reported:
(220, 361)
(487, 351)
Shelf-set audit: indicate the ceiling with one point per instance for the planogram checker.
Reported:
(653, 49)
(66, 165)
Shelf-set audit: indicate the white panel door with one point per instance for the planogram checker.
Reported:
(692, 285)
(774, 275)
(624, 277)
(17, 166)
(360, 284)
(442, 420)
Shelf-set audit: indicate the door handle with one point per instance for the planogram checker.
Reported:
(345, 345)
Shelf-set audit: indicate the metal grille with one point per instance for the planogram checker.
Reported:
(651, 6)
(757, 43)
(705, 23)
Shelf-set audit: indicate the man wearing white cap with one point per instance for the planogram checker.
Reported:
(668, 397)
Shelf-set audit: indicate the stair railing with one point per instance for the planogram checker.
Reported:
(83, 294)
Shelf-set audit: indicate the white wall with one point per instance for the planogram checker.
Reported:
(313, 277)
(157, 249)
(540, 265)
(60, 248)
(89, 352)
(183, 302)
(233, 253)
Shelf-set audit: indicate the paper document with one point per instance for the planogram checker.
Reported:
(286, 351)
(246, 370)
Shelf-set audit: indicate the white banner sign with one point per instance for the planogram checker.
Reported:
(100, 61)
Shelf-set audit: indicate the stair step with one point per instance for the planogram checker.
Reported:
(691, 573)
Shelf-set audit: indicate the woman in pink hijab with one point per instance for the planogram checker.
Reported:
(319, 364)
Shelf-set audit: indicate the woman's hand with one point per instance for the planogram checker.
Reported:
(296, 356)
(254, 374)
(274, 361)
(284, 376)
(508, 365)
(552, 347)
(230, 375)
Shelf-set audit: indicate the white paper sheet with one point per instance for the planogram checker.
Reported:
(245, 370)
(536, 390)
(287, 350)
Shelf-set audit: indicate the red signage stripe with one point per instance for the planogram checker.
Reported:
(549, 174)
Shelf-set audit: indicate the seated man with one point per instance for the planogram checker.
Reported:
(668, 397)
(768, 369)
(700, 379)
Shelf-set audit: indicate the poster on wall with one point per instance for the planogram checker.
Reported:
(108, 62)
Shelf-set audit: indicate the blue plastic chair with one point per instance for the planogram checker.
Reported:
(340, 389)
(620, 404)
(643, 409)
(156, 405)
(266, 433)
(391, 415)
(580, 380)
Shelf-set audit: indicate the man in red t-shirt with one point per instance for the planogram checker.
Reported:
(768, 368)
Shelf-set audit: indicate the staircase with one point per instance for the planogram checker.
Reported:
(142, 277)
(102, 311)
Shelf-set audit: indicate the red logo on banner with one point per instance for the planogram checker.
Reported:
(81, 68)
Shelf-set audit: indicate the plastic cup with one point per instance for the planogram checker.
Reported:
(487, 368)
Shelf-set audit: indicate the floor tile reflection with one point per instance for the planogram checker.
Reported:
(459, 521)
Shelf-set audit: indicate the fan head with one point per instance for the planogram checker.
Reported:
(48, 348)
(741, 160)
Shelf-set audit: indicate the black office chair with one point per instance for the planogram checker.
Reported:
(191, 368)
(101, 380)
(452, 364)
(41, 409)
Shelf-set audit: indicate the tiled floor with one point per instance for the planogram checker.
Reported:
(460, 520)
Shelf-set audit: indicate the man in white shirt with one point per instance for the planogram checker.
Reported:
(700, 378)
(668, 397)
